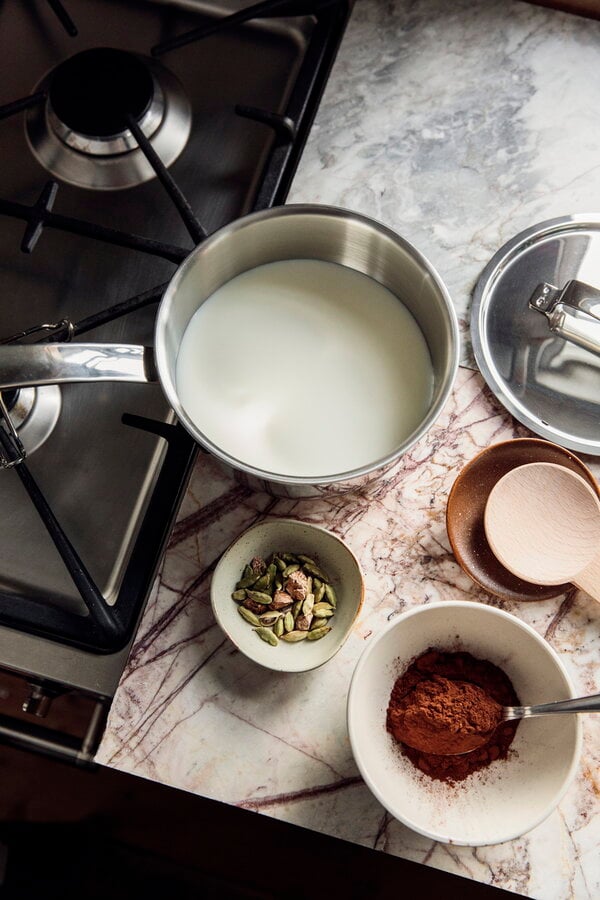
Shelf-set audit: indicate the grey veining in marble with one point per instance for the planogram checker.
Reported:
(459, 124)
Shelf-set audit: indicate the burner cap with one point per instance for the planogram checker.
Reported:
(80, 134)
(33, 412)
(92, 91)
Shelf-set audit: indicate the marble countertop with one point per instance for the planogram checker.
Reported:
(457, 125)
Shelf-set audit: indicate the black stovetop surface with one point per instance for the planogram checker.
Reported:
(108, 479)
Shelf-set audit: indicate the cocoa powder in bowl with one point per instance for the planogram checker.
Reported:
(443, 702)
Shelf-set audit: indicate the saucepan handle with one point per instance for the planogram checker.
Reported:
(573, 312)
(27, 365)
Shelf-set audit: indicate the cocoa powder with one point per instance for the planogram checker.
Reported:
(445, 717)
(442, 697)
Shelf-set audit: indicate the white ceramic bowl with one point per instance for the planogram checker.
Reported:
(288, 536)
(509, 797)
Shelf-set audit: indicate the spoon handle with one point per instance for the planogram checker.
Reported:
(576, 705)
(589, 579)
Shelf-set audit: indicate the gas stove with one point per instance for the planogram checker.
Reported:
(130, 131)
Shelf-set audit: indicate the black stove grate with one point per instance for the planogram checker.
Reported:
(265, 9)
(63, 17)
(107, 629)
(195, 229)
(41, 216)
(17, 106)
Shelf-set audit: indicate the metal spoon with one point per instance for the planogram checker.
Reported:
(542, 522)
(575, 705)
(511, 713)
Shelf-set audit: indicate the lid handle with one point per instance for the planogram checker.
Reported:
(573, 312)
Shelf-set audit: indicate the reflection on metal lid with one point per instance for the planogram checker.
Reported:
(546, 382)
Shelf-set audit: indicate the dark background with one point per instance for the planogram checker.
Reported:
(67, 832)
(71, 832)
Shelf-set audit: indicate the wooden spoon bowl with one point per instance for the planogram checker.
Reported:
(466, 507)
(543, 523)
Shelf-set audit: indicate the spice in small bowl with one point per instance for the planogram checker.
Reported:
(300, 635)
(286, 597)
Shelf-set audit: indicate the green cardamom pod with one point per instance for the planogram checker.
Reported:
(265, 634)
(238, 596)
(306, 559)
(263, 583)
(308, 605)
(330, 594)
(289, 557)
(293, 636)
(319, 590)
(288, 622)
(289, 569)
(247, 580)
(317, 623)
(323, 609)
(318, 633)
(278, 627)
(248, 616)
(280, 563)
(296, 608)
(312, 569)
(259, 597)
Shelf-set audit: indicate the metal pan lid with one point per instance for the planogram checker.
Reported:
(550, 384)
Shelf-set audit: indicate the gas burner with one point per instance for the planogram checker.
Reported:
(92, 92)
(80, 135)
(34, 412)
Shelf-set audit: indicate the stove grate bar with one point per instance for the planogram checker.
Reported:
(195, 229)
(10, 109)
(42, 618)
(331, 16)
(89, 229)
(12, 451)
(35, 225)
(285, 128)
(115, 312)
(63, 17)
(258, 10)
(104, 618)
(152, 426)
(66, 330)
(52, 331)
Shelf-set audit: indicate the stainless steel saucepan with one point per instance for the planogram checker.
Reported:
(288, 232)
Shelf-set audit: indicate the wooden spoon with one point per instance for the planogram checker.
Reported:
(542, 522)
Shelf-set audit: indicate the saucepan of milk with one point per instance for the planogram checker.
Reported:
(306, 368)
(306, 346)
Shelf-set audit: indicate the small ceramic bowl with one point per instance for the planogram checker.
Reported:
(466, 507)
(288, 536)
(509, 797)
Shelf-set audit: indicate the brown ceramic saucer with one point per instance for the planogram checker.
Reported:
(466, 505)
